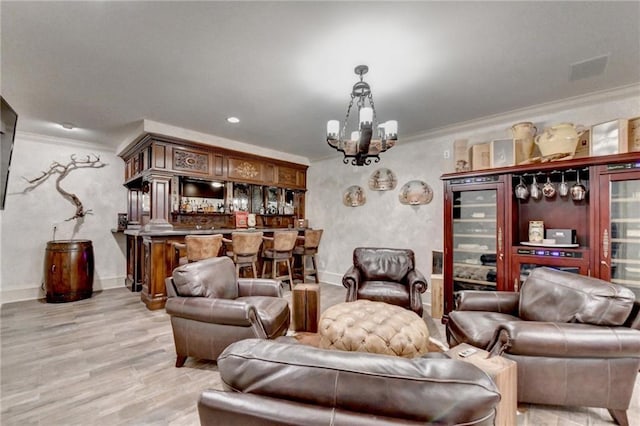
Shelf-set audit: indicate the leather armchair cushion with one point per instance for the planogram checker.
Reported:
(558, 296)
(378, 264)
(214, 277)
(475, 327)
(384, 291)
(414, 389)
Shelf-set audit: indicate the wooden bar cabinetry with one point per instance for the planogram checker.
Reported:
(159, 172)
(486, 227)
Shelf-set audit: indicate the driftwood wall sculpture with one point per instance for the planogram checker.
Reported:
(62, 170)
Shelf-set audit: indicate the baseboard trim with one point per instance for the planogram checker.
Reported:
(36, 292)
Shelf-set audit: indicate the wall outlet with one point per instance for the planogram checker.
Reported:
(447, 153)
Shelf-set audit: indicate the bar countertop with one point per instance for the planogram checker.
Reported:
(190, 231)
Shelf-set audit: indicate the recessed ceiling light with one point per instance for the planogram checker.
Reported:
(233, 120)
(67, 126)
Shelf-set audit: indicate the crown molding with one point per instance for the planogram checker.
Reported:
(150, 126)
(75, 143)
(525, 114)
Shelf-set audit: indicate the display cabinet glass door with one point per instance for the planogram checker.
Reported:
(620, 251)
(475, 240)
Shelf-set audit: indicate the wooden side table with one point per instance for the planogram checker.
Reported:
(504, 373)
(305, 299)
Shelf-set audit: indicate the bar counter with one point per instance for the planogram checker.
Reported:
(150, 258)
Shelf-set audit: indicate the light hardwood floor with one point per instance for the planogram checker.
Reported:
(109, 361)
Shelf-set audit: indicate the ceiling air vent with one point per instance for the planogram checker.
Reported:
(589, 68)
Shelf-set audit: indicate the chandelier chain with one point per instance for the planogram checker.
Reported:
(346, 118)
(373, 108)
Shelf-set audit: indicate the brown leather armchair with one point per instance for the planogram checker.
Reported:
(211, 308)
(273, 383)
(385, 275)
(568, 334)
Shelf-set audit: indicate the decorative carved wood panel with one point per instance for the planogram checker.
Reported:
(192, 161)
(244, 170)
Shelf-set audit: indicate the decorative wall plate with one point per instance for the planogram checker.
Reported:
(354, 196)
(415, 192)
(382, 179)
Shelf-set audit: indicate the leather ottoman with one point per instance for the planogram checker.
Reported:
(366, 326)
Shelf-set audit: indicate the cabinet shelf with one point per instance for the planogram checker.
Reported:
(470, 205)
(476, 220)
(491, 236)
(471, 265)
(626, 240)
(625, 261)
(470, 281)
(633, 283)
(625, 200)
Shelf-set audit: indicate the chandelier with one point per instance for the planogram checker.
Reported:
(360, 148)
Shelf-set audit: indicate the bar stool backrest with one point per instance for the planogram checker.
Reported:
(202, 246)
(246, 243)
(312, 238)
(284, 241)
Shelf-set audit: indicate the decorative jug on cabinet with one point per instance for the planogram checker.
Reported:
(525, 132)
(560, 138)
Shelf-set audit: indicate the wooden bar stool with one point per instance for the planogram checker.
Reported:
(197, 247)
(278, 249)
(246, 247)
(307, 251)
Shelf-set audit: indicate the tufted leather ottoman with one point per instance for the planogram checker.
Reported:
(366, 326)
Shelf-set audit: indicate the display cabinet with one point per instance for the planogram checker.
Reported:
(618, 254)
(593, 202)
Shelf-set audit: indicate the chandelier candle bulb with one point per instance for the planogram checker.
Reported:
(366, 115)
(391, 129)
(333, 129)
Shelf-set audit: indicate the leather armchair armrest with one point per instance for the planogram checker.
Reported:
(351, 280)
(504, 302)
(259, 287)
(215, 311)
(571, 340)
(633, 321)
(416, 281)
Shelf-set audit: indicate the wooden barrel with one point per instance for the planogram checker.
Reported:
(68, 270)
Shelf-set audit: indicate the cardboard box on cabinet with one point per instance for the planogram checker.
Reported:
(634, 134)
(610, 138)
(481, 156)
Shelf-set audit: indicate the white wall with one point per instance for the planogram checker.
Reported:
(383, 221)
(27, 222)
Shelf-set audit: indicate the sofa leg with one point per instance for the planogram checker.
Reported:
(620, 417)
(180, 359)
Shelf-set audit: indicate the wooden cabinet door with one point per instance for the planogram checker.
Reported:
(618, 235)
(475, 237)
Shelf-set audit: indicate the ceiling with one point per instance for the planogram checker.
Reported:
(285, 68)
